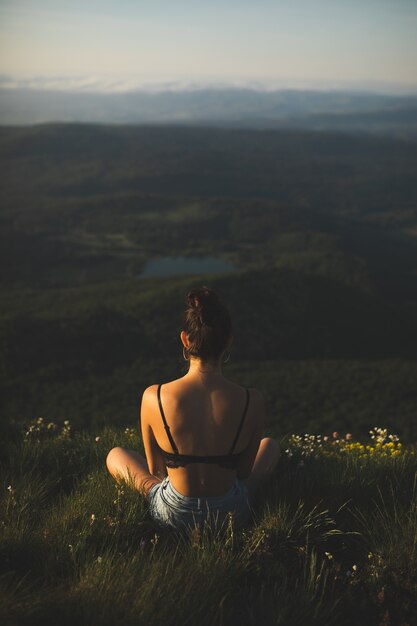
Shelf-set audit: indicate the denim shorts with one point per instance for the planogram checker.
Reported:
(170, 508)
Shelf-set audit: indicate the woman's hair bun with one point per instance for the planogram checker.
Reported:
(200, 296)
(207, 323)
(205, 302)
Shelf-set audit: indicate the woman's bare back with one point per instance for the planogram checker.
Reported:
(204, 417)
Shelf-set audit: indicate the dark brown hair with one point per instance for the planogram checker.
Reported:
(207, 323)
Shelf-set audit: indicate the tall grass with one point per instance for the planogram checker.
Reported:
(333, 540)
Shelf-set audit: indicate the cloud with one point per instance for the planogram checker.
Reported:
(102, 84)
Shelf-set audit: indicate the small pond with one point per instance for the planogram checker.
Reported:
(177, 265)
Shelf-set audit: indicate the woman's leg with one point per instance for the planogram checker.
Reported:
(265, 462)
(129, 465)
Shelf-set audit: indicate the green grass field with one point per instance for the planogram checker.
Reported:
(333, 539)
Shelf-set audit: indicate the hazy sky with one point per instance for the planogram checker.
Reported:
(323, 40)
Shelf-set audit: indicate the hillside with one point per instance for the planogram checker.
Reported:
(331, 541)
(320, 228)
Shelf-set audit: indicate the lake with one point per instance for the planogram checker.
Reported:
(180, 265)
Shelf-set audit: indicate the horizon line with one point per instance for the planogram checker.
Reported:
(102, 84)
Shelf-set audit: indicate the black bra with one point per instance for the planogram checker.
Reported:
(175, 459)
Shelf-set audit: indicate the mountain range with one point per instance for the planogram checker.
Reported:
(240, 107)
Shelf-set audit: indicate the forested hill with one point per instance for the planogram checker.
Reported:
(320, 227)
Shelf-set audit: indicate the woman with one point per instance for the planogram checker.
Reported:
(202, 433)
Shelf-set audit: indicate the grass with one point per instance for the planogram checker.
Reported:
(333, 539)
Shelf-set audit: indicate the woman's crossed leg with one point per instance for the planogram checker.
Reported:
(129, 465)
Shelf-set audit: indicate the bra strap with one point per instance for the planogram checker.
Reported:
(241, 421)
(168, 432)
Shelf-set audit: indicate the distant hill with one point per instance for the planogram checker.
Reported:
(238, 107)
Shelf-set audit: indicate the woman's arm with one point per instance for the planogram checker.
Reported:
(247, 459)
(156, 463)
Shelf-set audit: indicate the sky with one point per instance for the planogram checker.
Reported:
(123, 42)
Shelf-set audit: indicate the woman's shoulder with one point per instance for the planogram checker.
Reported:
(256, 398)
(151, 392)
(254, 393)
(150, 396)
